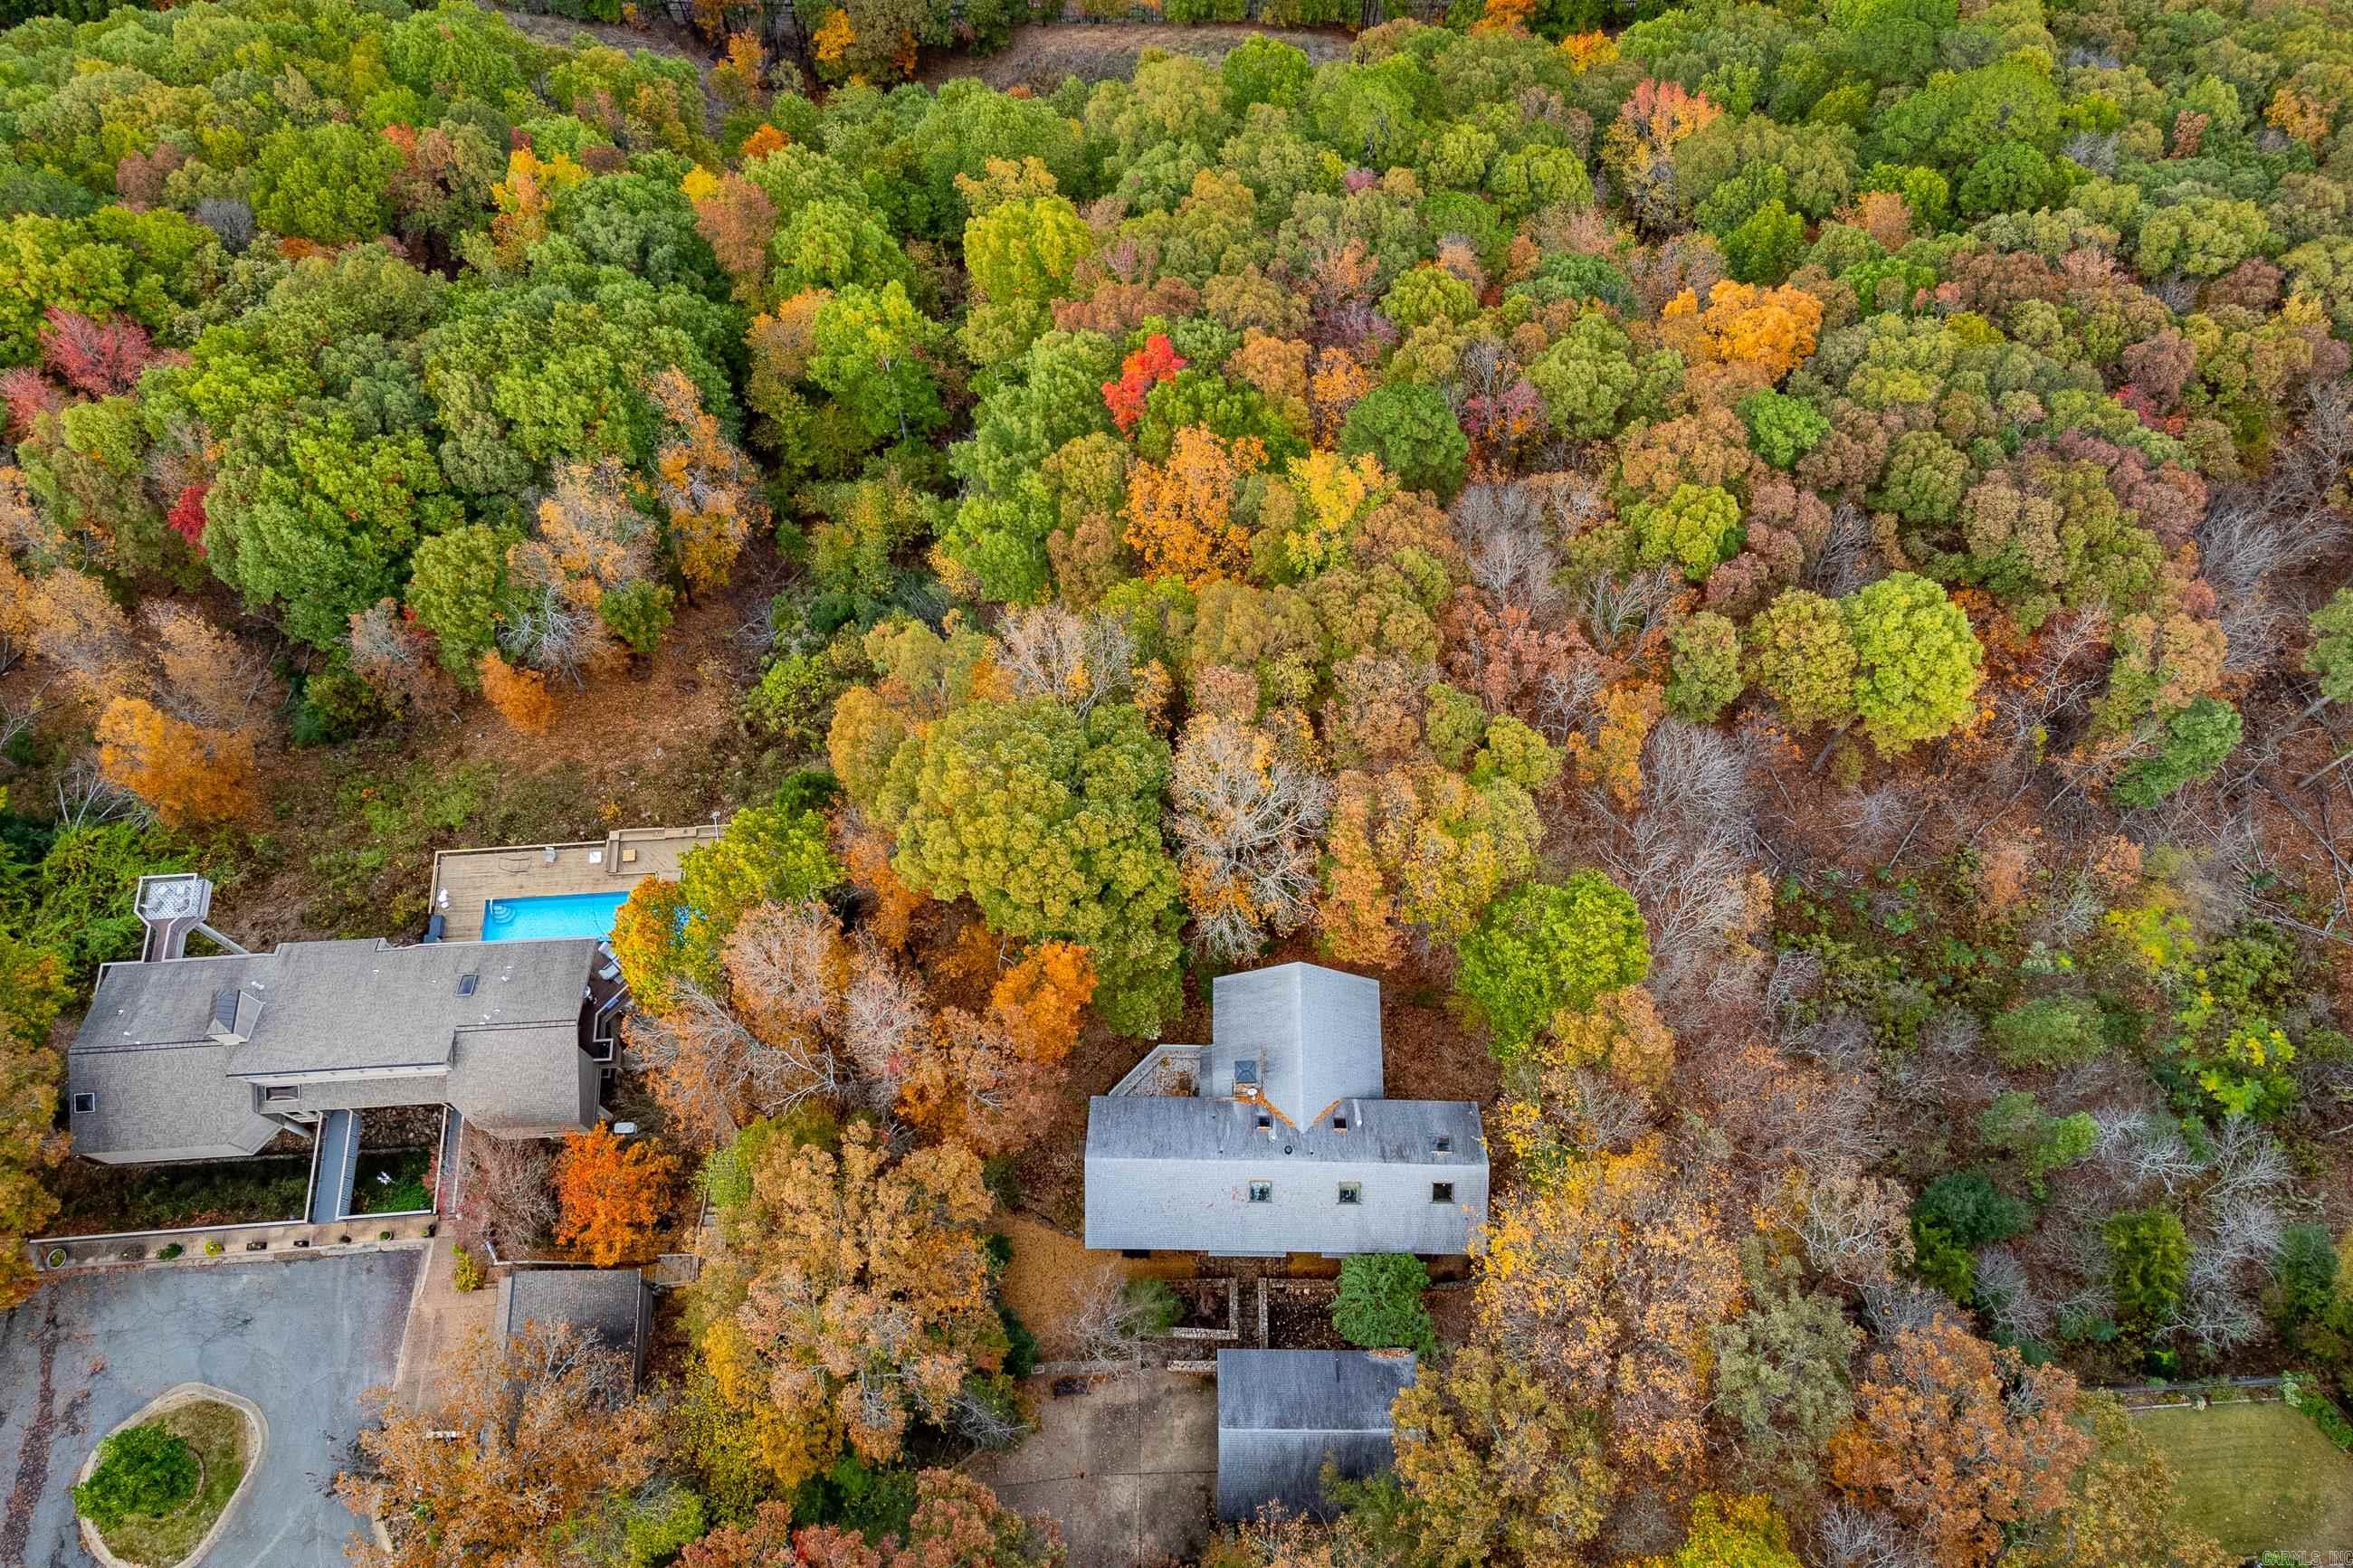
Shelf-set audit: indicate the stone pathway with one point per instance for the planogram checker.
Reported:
(439, 1315)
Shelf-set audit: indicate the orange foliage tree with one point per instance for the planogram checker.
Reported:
(711, 488)
(853, 1297)
(610, 1192)
(1768, 332)
(1041, 998)
(520, 696)
(187, 774)
(1960, 1441)
(1180, 513)
(529, 1430)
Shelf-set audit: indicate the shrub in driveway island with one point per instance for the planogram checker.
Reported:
(141, 1471)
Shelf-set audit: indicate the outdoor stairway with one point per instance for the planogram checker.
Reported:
(330, 1181)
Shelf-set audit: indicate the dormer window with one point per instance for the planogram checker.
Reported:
(83, 1104)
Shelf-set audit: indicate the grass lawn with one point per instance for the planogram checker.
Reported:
(405, 1192)
(223, 1443)
(2257, 1478)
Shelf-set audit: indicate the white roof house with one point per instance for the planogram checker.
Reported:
(1286, 1144)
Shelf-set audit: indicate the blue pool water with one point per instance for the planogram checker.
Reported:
(555, 915)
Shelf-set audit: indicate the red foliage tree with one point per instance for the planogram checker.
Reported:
(100, 359)
(188, 516)
(1148, 367)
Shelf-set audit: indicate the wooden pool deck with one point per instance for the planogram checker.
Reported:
(465, 880)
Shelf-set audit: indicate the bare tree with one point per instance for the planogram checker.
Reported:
(1853, 1227)
(2007, 1297)
(1687, 855)
(553, 632)
(1249, 825)
(1854, 1537)
(87, 797)
(711, 1070)
(506, 1191)
(882, 1013)
(1107, 1324)
(1077, 659)
(1503, 530)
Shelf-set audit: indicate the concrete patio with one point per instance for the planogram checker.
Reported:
(1129, 1467)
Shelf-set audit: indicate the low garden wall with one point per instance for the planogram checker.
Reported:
(221, 1243)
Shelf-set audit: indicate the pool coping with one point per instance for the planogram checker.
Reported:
(465, 881)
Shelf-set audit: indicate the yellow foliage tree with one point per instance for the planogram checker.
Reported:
(1767, 331)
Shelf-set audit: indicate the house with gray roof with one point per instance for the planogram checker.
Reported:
(615, 1307)
(1277, 1138)
(211, 1058)
(1282, 1416)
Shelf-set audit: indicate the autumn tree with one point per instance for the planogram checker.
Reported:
(520, 695)
(190, 776)
(1608, 1283)
(1548, 948)
(1962, 1442)
(958, 1522)
(1495, 1467)
(1050, 821)
(1180, 513)
(710, 488)
(611, 1192)
(854, 1299)
(1917, 662)
(32, 992)
(772, 1028)
(1247, 822)
(1801, 654)
(1418, 847)
(527, 1431)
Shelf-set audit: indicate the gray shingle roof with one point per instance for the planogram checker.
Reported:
(1171, 1173)
(615, 1306)
(170, 1102)
(348, 1025)
(1282, 1415)
(1314, 1035)
(1335, 1169)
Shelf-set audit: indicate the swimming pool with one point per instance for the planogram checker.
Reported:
(554, 915)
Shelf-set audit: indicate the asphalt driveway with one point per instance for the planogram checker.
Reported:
(301, 1336)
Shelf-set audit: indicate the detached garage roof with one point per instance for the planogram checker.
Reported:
(615, 1307)
(1283, 1414)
